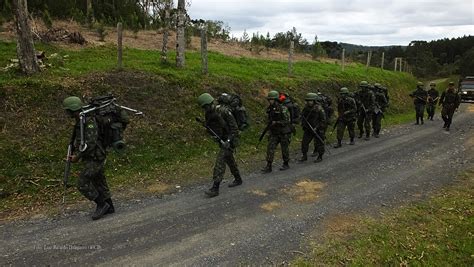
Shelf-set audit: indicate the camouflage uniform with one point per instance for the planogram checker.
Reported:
(280, 131)
(450, 100)
(366, 103)
(92, 182)
(347, 111)
(220, 119)
(380, 105)
(433, 96)
(316, 117)
(419, 100)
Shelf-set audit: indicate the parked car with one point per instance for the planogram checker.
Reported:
(466, 89)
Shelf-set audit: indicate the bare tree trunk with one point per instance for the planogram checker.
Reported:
(180, 38)
(25, 47)
(166, 32)
(119, 45)
(290, 58)
(204, 51)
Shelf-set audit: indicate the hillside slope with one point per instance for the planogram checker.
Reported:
(166, 147)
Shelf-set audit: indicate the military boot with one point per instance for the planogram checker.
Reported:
(361, 133)
(237, 181)
(267, 168)
(352, 142)
(376, 134)
(285, 166)
(213, 191)
(422, 122)
(303, 158)
(111, 204)
(367, 137)
(339, 144)
(319, 159)
(314, 154)
(101, 209)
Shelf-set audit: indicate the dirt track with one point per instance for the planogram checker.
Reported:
(262, 222)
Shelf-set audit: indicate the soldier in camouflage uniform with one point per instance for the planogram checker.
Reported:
(380, 105)
(366, 103)
(420, 97)
(313, 117)
(450, 100)
(219, 118)
(92, 182)
(279, 124)
(347, 112)
(326, 102)
(433, 97)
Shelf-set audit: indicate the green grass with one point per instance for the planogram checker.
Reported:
(434, 232)
(167, 145)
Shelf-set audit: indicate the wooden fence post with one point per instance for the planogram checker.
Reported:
(290, 58)
(343, 58)
(204, 51)
(119, 45)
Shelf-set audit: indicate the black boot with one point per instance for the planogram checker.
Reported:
(267, 168)
(352, 142)
(339, 144)
(314, 154)
(319, 159)
(361, 133)
(367, 137)
(303, 158)
(422, 122)
(213, 191)
(111, 204)
(237, 181)
(285, 166)
(376, 134)
(101, 209)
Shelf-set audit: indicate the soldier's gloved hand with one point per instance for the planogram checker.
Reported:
(226, 144)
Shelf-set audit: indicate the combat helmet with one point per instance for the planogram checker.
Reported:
(72, 103)
(311, 96)
(205, 99)
(344, 91)
(273, 95)
(364, 84)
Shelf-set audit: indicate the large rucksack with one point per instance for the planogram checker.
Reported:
(292, 106)
(234, 102)
(112, 120)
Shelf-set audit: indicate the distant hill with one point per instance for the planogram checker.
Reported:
(352, 47)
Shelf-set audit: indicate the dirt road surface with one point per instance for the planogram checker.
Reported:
(266, 220)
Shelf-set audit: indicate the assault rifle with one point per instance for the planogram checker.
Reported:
(225, 144)
(263, 134)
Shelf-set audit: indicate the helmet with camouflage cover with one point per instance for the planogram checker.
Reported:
(377, 85)
(312, 96)
(344, 91)
(273, 95)
(72, 103)
(419, 84)
(364, 84)
(205, 99)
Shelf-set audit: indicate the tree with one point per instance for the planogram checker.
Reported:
(245, 37)
(25, 47)
(317, 49)
(180, 34)
(466, 67)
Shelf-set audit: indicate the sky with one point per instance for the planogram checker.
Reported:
(364, 22)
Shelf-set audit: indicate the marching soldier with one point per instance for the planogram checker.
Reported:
(433, 97)
(313, 122)
(347, 112)
(381, 104)
(366, 103)
(419, 99)
(450, 101)
(92, 182)
(279, 125)
(222, 125)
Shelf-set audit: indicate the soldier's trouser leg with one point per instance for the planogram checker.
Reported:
(232, 163)
(224, 157)
(367, 121)
(377, 122)
(307, 138)
(319, 144)
(341, 126)
(273, 141)
(350, 129)
(92, 182)
(450, 114)
(360, 123)
(285, 147)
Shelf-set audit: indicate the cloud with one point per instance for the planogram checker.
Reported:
(365, 22)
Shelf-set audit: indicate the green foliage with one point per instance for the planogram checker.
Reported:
(467, 63)
(48, 22)
(101, 31)
(317, 49)
(435, 232)
(78, 15)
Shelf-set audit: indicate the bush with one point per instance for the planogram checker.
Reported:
(101, 32)
(48, 21)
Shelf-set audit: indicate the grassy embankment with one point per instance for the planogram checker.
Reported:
(434, 232)
(166, 147)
